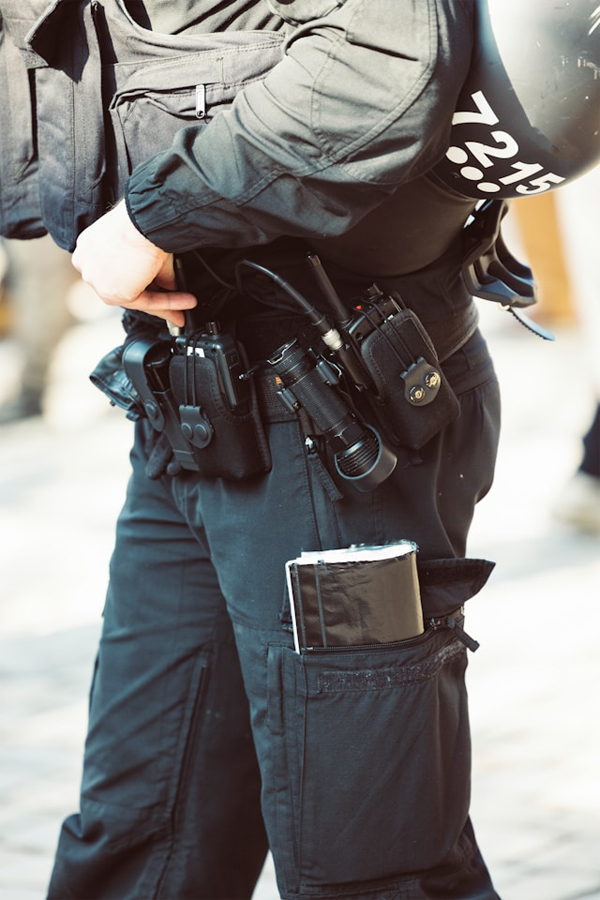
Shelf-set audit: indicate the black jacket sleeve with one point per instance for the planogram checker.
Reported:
(361, 102)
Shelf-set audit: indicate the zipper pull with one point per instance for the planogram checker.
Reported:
(200, 101)
(451, 623)
(461, 634)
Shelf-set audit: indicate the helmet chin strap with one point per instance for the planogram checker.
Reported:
(528, 323)
(490, 270)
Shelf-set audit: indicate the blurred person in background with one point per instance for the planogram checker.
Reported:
(578, 504)
(537, 221)
(559, 233)
(37, 279)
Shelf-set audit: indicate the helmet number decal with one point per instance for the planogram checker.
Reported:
(543, 183)
(502, 146)
(506, 147)
(485, 115)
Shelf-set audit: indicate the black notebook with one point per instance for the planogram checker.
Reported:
(357, 596)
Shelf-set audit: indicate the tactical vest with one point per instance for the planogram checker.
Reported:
(90, 94)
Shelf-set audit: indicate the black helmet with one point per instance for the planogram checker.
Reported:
(528, 116)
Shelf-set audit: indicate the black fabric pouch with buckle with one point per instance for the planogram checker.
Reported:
(412, 398)
(219, 411)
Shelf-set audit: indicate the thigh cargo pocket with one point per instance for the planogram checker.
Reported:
(371, 747)
(373, 757)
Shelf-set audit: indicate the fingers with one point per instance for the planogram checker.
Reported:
(118, 262)
(168, 305)
(149, 301)
(173, 316)
(125, 269)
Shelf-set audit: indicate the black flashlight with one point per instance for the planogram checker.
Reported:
(309, 382)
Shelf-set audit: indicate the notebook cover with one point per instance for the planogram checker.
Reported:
(355, 597)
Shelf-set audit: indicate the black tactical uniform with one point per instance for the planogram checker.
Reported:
(210, 738)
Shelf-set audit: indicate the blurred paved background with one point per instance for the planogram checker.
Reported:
(533, 683)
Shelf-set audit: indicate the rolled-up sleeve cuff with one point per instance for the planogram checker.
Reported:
(154, 209)
(175, 209)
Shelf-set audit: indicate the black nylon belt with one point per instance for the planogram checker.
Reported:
(450, 334)
(262, 335)
(448, 337)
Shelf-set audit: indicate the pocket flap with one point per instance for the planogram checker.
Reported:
(48, 32)
(227, 66)
(169, 75)
(20, 17)
(448, 583)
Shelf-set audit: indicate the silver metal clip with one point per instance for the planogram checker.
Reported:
(200, 101)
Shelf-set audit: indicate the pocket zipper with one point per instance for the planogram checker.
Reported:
(452, 623)
(431, 625)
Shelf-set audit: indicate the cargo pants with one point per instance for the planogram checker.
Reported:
(211, 740)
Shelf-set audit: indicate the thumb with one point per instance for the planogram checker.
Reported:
(165, 278)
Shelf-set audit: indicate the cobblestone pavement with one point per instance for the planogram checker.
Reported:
(533, 683)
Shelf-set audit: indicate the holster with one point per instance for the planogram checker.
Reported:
(146, 365)
(183, 397)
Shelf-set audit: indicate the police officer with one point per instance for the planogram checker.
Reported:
(210, 738)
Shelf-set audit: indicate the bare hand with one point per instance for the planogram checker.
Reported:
(126, 269)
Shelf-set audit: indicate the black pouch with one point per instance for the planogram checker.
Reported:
(412, 398)
(225, 432)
